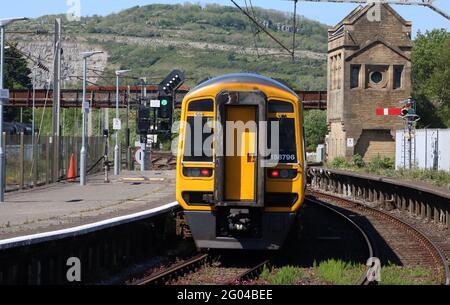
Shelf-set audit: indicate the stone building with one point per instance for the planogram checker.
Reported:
(369, 67)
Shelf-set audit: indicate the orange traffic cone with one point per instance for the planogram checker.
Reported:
(71, 173)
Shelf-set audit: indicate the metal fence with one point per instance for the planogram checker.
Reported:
(48, 160)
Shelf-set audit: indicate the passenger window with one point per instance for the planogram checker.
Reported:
(201, 106)
(280, 106)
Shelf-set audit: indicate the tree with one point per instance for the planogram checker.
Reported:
(16, 77)
(431, 77)
(315, 123)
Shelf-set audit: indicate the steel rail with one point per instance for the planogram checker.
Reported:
(173, 271)
(372, 250)
(251, 274)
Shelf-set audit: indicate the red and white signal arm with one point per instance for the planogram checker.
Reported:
(389, 111)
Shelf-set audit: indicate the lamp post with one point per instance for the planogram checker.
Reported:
(85, 110)
(33, 111)
(143, 137)
(3, 24)
(117, 125)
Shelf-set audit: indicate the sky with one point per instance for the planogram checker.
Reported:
(329, 13)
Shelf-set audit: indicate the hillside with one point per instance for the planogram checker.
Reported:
(202, 40)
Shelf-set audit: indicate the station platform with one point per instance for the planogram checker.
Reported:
(66, 205)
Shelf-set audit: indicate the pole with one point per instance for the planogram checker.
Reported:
(57, 78)
(127, 128)
(2, 153)
(295, 30)
(56, 100)
(33, 119)
(116, 148)
(83, 152)
(144, 141)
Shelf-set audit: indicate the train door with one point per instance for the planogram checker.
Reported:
(240, 157)
(239, 177)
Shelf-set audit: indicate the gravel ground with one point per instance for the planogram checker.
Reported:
(210, 275)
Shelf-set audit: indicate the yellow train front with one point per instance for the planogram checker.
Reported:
(241, 165)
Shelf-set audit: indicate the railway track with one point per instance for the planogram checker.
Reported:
(396, 240)
(383, 235)
(193, 270)
(369, 243)
(250, 274)
(190, 266)
(173, 272)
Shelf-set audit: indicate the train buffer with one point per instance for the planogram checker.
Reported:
(66, 205)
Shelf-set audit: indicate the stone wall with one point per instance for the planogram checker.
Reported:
(377, 51)
(71, 65)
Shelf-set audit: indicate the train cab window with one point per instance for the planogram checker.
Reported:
(198, 140)
(287, 150)
(201, 106)
(280, 106)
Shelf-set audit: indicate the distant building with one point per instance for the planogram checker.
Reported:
(369, 67)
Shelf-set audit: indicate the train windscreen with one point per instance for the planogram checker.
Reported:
(198, 139)
(287, 149)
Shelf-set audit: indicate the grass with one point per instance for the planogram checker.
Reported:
(287, 275)
(438, 178)
(338, 272)
(395, 275)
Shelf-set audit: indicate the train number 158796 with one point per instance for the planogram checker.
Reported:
(283, 157)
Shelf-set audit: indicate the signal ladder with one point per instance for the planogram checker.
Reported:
(409, 148)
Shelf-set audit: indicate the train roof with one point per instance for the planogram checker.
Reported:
(251, 78)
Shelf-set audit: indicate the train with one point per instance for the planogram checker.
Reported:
(241, 170)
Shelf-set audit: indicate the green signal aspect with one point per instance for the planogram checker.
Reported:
(164, 102)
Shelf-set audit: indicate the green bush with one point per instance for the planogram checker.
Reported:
(380, 163)
(358, 161)
(339, 162)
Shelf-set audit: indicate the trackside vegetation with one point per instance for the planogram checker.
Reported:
(338, 272)
(384, 166)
